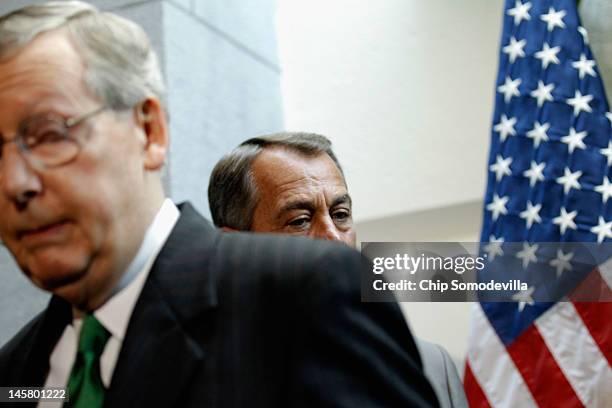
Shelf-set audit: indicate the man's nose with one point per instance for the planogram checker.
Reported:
(326, 229)
(19, 182)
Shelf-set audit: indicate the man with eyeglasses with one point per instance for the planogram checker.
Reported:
(151, 305)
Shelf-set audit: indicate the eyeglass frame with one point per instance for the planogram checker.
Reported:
(67, 123)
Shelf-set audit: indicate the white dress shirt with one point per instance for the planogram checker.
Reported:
(115, 314)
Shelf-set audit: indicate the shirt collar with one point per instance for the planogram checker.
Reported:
(116, 312)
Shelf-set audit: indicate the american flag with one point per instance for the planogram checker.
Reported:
(548, 181)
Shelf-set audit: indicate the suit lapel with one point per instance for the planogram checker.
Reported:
(159, 354)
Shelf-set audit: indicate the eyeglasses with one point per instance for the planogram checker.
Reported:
(46, 140)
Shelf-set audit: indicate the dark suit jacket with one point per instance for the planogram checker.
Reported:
(239, 320)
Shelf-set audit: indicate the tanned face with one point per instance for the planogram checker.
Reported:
(301, 195)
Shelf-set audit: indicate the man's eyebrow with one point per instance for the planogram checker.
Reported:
(343, 199)
(296, 205)
(310, 206)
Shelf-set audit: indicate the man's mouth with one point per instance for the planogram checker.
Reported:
(44, 234)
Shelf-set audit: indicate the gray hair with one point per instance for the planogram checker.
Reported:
(232, 191)
(121, 67)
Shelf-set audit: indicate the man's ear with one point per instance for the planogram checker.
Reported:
(229, 229)
(151, 118)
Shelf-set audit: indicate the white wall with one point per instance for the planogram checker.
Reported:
(404, 88)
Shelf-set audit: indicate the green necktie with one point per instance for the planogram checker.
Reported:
(85, 388)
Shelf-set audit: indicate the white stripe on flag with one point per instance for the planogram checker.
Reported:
(577, 354)
(492, 366)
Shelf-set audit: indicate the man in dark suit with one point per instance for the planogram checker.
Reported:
(292, 183)
(151, 305)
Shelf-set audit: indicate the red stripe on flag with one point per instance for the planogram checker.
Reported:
(541, 372)
(475, 396)
(596, 316)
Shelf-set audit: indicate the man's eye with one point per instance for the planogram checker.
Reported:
(299, 222)
(50, 136)
(341, 215)
(43, 137)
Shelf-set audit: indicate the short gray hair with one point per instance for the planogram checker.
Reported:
(232, 191)
(121, 67)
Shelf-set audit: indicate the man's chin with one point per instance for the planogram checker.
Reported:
(59, 275)
(75, 285)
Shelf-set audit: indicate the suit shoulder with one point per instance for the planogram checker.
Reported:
(435, 358)
(442, 373)
(287, 259)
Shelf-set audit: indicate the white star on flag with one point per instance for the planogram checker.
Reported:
(584, 33)
(609, 116)
(510, 88)
(565, 220)
(494, 247)
(548, 55)
(505, 127)
(524, 297)
(543, 93)
(515, 49)
(498, 206)
(562, 262)
(574, 140)
(554, 18)
(528, 254)
(538, 133)
(501, 167)
(605, 189)
(584, 66)
(531, 214)
(580, 102)
(535, 173)
(603, 230)
(570, 180)
(520, 12)
(608, 152)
